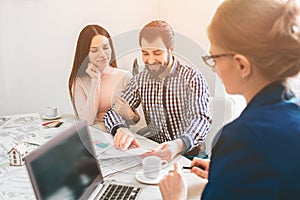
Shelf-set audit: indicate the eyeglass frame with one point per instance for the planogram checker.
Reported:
(213, 56)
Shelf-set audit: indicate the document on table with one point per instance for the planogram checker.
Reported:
(14, 121)
(105, 149)
(27, 128)
(111, 159)
(115, 165)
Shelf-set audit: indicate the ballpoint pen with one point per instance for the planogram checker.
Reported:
(190, 167)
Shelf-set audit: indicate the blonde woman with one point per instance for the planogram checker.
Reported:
(255, 49)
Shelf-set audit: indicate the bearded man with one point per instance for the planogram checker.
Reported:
(174, 98)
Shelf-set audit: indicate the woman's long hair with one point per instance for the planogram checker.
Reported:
(81, 55)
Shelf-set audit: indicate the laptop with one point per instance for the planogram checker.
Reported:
(66, 167)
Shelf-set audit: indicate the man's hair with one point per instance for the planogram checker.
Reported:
(158, 29)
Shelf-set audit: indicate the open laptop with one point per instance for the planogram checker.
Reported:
(66, 167)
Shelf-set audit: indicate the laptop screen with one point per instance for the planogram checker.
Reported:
(65, 167)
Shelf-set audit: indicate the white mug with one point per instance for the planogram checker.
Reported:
(51, 111)
(152, 166)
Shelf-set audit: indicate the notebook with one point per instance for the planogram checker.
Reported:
(66, 167)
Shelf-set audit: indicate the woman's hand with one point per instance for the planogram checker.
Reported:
(204, 163)
(93, 71)
(173, 186)
(123, 109)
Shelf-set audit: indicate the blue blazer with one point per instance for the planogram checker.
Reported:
(257, 156)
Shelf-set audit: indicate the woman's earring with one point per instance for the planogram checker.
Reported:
(245, 78)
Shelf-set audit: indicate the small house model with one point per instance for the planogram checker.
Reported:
(17, 154)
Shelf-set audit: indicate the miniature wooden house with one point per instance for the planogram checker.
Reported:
(17, 154)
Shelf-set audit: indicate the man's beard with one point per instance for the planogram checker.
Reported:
(156, 73)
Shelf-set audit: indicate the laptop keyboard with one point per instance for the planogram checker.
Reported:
(120, 192)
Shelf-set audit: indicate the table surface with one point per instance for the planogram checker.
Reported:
(15, 182)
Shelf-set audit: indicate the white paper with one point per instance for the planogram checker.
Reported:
(111, 159)
(105, 148)
(15, 182)
(19, 120)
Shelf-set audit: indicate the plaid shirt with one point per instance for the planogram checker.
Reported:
(174, 107)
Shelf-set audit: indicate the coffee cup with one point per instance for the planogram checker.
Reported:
(152, 166)
(51, 111)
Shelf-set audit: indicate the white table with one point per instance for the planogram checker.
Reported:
(152, 192)
(15, 183)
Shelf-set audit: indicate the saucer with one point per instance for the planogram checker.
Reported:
(139, 175)
(50, 118)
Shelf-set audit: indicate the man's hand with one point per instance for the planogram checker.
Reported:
(123, 139)
(167, 150)
(204, 163)
(173, 186)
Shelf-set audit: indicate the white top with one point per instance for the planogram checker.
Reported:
(93, 97)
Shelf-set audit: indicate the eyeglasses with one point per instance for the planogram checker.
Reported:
(209, 60)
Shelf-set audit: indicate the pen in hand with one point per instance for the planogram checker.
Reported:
(190, 167)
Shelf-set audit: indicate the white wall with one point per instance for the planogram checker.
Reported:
(3, 92)
(38, 40)
(1, 52)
